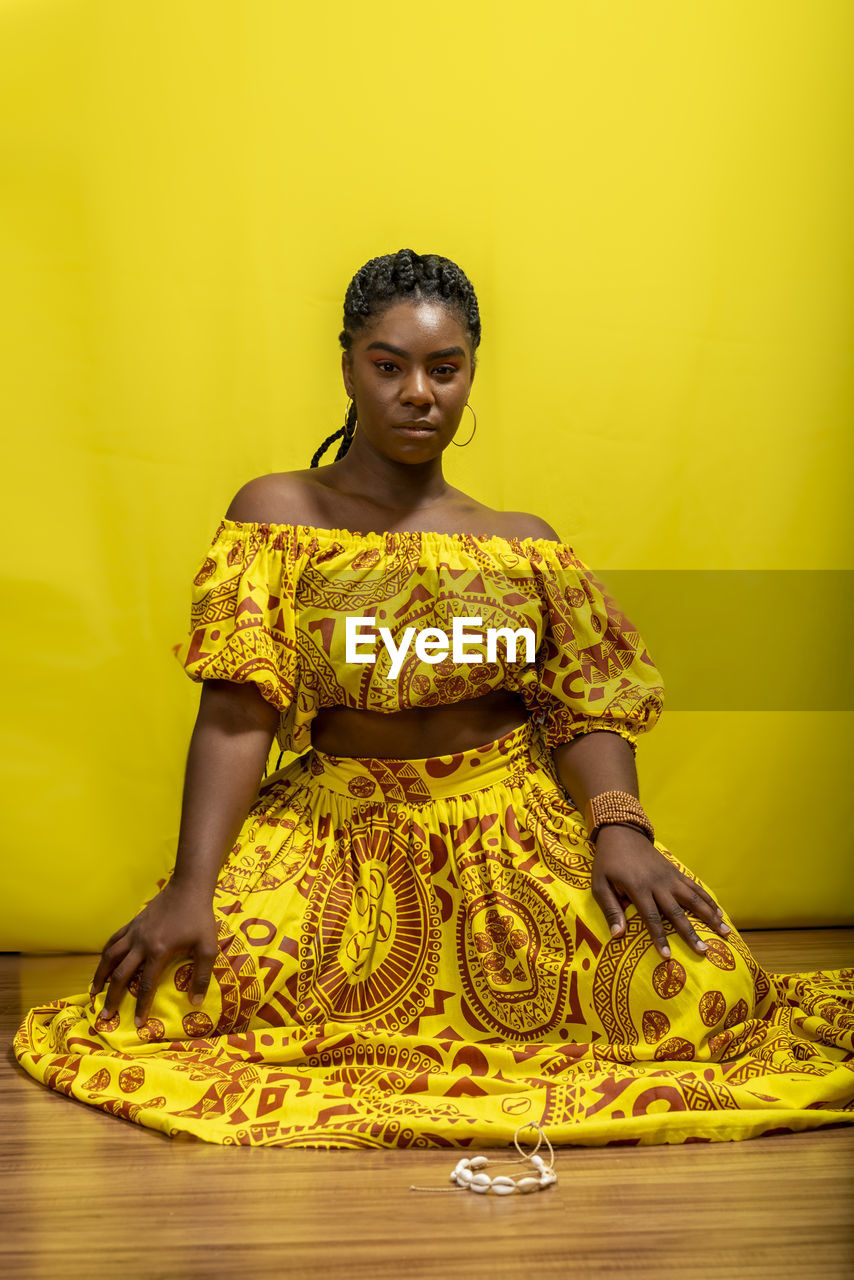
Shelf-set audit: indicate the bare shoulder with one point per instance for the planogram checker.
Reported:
(504, 524)
(278, 498)
(302, 497)
(521, 524)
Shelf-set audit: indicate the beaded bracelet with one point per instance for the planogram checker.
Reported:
(468, 1175)
(615, 806)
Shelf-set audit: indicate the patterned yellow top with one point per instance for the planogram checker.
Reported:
(270, 604)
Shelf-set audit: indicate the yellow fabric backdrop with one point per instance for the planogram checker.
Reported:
(653, 203)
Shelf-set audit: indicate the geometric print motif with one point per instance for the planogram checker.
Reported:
(269, 604)
(401, 972)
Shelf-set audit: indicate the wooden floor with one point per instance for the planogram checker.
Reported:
(87, 1195)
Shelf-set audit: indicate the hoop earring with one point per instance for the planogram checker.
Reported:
(474, 415)
(348, 435)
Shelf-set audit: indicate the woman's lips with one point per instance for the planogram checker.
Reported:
(414, 428)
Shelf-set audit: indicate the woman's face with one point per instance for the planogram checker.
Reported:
(412, 364)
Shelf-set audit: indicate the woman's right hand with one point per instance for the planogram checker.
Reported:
(178, 922)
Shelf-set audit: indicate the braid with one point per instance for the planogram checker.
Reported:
(345, 443)
(397, 277)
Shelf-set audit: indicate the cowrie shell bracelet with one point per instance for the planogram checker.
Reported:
(468, 1175)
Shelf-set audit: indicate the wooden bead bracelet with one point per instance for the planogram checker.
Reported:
(616, 807)
(469, 1176)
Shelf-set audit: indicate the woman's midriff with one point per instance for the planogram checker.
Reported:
(419, 732)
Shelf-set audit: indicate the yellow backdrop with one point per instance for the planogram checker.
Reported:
(654, 204)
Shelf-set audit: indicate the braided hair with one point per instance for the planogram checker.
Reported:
(399, 277)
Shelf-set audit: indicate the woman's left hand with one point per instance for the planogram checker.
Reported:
(627, 863)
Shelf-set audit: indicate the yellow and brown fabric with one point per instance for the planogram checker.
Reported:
(269, 604)
(410, 953)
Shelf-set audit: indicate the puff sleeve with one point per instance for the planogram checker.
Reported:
(593, 668)
(242, 612)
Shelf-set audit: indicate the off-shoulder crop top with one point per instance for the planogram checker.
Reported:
(270, 604)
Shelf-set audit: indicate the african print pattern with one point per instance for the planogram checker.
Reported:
(410, 955)
(269, 603)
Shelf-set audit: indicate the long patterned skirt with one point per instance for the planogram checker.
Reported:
(410, 955)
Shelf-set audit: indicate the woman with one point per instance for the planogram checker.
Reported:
(448, 915)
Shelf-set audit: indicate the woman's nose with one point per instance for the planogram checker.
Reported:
(417, 389)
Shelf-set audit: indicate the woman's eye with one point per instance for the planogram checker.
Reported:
(444, 369)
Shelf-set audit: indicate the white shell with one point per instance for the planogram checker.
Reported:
(503, 1181)
(478, 1162)
(526, 1185)
(461, 1164)
(464, 1177)
(480, 1190)
(547, 1177)
(481, 1180)
(537, 1162)
(502, 1190)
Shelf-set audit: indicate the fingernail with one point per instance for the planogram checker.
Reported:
(138, 1022)
(725, 928)
(701, 946)
(665, 951)
(615, 928)
(196, 999)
